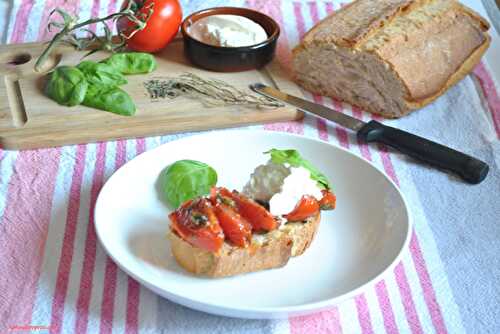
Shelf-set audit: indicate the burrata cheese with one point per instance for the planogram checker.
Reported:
(282, 186)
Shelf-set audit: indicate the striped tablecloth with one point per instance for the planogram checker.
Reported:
(55, 277)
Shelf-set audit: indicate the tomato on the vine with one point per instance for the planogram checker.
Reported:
(161, 27)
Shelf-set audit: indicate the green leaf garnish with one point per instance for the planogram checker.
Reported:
(293, 158)
(187, 179)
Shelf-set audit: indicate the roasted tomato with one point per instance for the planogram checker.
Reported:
(236, 228)
(221, 194)
(160, 28)
(256, 214)
(307, 207)
(328, 201)
(195, 222)
(253, 212)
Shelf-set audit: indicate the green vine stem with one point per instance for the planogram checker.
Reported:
(69, 26)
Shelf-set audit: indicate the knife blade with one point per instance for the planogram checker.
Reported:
(468, 168)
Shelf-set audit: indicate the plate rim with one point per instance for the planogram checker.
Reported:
(253, 312)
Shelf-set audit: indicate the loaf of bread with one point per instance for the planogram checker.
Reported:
(390, 57)
(267, 251)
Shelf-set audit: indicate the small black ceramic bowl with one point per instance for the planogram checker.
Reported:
(230, 59)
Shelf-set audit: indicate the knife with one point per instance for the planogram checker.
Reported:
(468, 168)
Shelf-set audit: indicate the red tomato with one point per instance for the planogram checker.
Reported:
(160, 29)
(253, 212)
(196, 223)
(221, 194)
(236, 228)
(256, 214)
(307, 207)
(328, 201)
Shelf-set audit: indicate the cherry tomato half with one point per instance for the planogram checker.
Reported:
(236, 228)
(253, 212)
(196, 223)
(307, 207)
(328, 201)
(161, 27)
(256, 214)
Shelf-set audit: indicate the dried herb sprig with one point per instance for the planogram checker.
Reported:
(69, 27)
(211, 92)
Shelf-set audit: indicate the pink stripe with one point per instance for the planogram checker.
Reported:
(364, 318)
(24, 227)
(321, 123)
(313, 11)
(386, 308)
(329, 8)
(89, 254)
(71, 7)
(133, 294)
(407, 299)
(111, 6)
(323, 322)
(301, 27)
(426, 284)
(20, 24)
(132, 323)
(386, 158)
(94, 12)
(108, 297)
(491, 94)
(387, 163)
(121, 153)
(109, 286)
(66, 256)
(341, 133)
(363, 147)
(140, 145)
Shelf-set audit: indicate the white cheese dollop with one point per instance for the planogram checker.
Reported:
(228, 31)
(282, 186)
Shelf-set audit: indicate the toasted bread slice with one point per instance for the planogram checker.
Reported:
(270, 250)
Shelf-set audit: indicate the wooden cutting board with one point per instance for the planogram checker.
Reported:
(29, 119)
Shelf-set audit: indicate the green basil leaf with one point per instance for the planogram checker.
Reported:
(67, 86)
(132, 62)
(101, 74)
(187, 179)
(109, 98)
(293, 158)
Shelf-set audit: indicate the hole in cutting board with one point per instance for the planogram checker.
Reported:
(19, 59)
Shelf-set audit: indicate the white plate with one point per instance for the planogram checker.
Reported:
(355, 244)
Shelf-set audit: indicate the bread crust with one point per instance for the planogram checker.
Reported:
(273, 251)
(427, 46)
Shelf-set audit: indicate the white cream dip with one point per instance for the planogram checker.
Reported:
(227, 31)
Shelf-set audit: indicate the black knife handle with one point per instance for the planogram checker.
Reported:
(470, 169)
